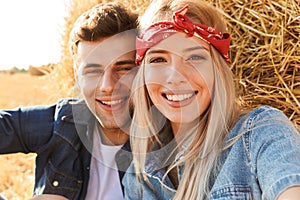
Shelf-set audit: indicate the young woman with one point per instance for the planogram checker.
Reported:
(190, 140)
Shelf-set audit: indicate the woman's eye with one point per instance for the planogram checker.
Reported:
(195, 57)
(157, 60)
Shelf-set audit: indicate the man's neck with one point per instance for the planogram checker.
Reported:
(113, 136)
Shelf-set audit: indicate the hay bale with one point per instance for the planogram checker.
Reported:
(265, 50)
(41, 70)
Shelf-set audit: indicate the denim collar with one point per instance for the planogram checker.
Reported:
(160, 156)
(75, 112)
(78, 113)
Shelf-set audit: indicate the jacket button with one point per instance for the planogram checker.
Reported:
(55, 183)
(88, 168)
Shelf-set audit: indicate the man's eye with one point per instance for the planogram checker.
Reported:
(157, 60)
(93, 71)
(126, 68)
(195, 57)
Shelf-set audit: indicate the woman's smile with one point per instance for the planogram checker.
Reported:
(179, 99)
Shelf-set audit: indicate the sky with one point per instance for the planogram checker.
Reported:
(30, 32)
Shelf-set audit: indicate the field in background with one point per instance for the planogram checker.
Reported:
(17, 170)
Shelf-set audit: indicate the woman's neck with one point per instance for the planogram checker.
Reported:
(181, 131)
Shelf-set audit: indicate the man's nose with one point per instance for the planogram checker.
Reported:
(107, 82)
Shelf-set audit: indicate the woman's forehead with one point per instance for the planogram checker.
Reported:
(179, 42)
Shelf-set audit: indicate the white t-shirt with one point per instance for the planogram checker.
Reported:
(104, 182)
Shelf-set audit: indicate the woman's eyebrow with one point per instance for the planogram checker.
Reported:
(156, 51)
(198, 47)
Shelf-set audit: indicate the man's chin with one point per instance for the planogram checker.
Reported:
(114, 124)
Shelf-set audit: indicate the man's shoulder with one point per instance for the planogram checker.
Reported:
(68, 108)
(65, 103)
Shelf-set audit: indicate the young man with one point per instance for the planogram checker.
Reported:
(76, 140)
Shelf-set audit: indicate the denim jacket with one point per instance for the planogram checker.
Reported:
(61, 136)
(263, 162)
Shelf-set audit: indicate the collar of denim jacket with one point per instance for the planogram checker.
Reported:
(78, 113)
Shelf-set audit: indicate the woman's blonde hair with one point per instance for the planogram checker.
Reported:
(201, 156)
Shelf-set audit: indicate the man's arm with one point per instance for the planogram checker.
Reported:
(49, 197)
(25, 129)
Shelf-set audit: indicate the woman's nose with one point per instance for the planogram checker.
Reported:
(176, 74)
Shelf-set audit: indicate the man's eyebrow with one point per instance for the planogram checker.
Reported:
(125, 62)
(89, 65)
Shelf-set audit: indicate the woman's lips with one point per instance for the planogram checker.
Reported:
(179, 99)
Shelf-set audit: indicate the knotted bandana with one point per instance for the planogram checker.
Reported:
(181, 23)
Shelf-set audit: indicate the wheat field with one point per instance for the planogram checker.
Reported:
(17, 170)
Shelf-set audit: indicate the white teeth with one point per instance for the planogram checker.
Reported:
(179, 97)
(112, 102)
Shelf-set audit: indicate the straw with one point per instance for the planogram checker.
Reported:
(265, 50)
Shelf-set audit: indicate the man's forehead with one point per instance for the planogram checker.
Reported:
(119, 39)
(114, 42)
(111, 49)
(118, 43)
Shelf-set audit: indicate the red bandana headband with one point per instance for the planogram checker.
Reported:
(162, 30)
